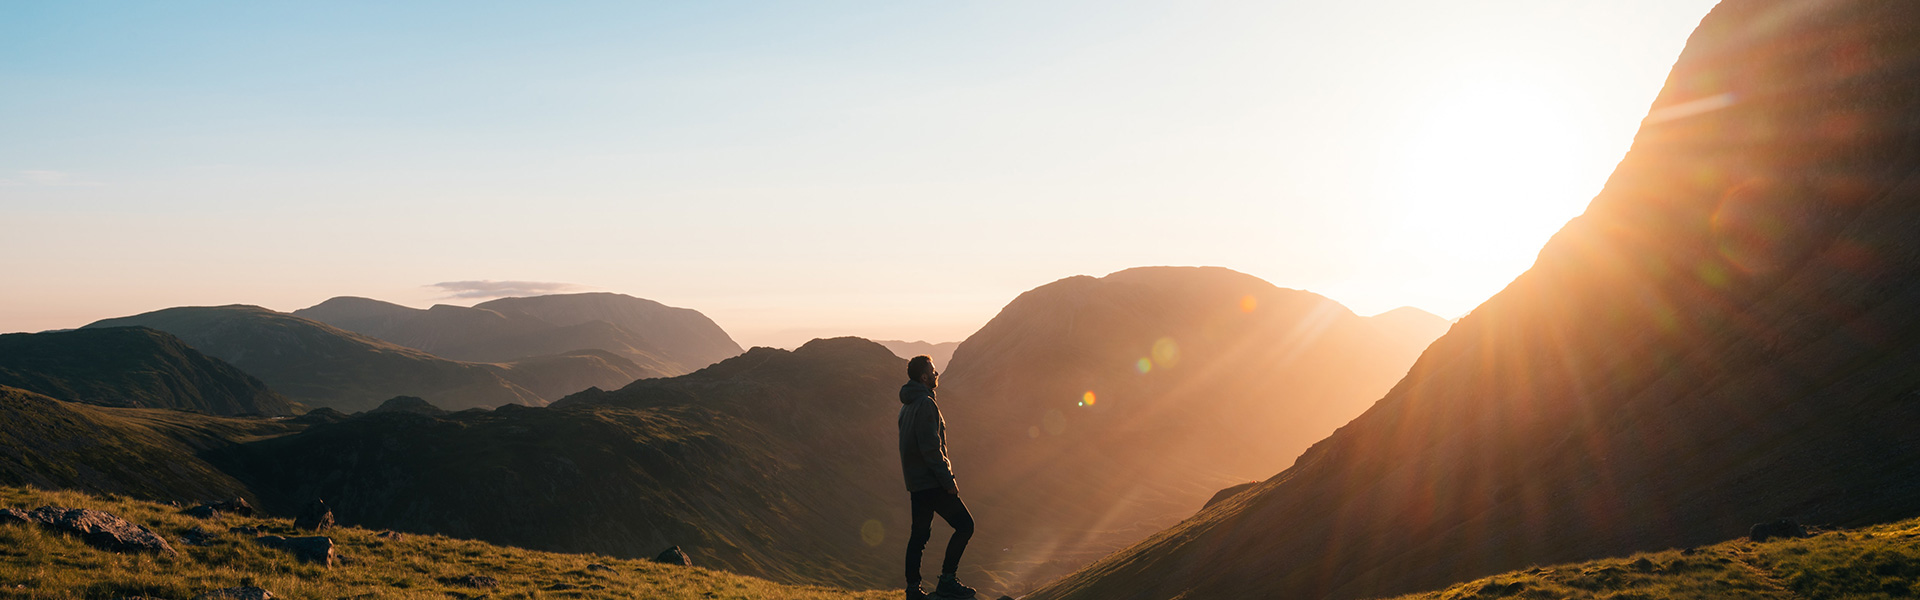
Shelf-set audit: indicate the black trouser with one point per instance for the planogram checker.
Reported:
(925, 504)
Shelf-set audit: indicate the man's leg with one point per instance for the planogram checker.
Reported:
(921, 530)
(955, 513)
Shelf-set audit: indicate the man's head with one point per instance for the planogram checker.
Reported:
(920, 369)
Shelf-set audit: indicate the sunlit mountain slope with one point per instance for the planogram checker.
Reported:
(133, 367)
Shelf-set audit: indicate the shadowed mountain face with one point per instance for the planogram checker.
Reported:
(659, 339)
(131, 367)
(774, 463)
(146, 453)
(322, 366)
(1092, 412)
(1729, 335)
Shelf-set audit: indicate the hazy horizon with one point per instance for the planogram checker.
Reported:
(894, 172)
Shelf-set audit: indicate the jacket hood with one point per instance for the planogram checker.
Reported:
(913, 391)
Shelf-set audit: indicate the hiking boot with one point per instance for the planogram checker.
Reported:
(914, 593)
(950, 588)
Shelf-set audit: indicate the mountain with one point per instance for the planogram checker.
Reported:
(772, 463)
(660, 340)
(132, 367)
(1729, 335)
(147, 453)
(1412, 324)
(941, 353)
(1092, 412)
(320, 365)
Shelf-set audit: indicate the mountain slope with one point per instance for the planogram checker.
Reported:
(941, 353)
(1727, 336)
(146, 453)
(323, 366)
(132, 367)
(771, 463)
(1092, 412)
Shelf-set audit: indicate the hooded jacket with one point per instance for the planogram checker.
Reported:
(923, 439)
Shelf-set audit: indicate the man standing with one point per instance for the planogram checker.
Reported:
(923, 457)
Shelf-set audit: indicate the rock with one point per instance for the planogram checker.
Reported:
(673, 556)
(561, 587)
(15, 515)
(475, 581)
(235, 506)
(599, 567)
(1785, 528)
(101, 530)
(390, 535)
(197, 536)
(316, 549)
(316, 517)
(237, 593)
(246, 530)
(1643, 565)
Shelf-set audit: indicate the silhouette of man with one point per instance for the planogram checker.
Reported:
(923, 457)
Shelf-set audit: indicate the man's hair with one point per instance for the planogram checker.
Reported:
(919, 366)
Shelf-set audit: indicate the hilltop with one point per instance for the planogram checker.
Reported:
(1727, 336)
(1092, 412)
(369, 563)
(132, 367)
(146, 453)
(941, 353)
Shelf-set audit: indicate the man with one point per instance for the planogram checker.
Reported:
(923, 457)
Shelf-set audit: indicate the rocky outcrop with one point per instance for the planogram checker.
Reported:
(235, 506)
(673, 556)
(317, 549)
(99, 529)
(315, 517)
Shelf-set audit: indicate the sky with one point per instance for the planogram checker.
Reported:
(894, 170)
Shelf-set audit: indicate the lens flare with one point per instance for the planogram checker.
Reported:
(1087, 398)
(1248, 303)
(1143, 365)
(1166, 353)
(873, 532)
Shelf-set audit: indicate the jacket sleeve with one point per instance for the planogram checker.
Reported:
(926, 435)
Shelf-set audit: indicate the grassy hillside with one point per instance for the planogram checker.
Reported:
(145, 453)
(131, 367)
(37, 564)
(1857, 564)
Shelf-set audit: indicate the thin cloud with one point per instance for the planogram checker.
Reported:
(503, 289)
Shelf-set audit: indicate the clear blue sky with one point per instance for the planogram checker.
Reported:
(892, 170)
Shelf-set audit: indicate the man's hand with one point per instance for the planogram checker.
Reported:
(953, 487)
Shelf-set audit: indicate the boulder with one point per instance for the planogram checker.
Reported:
(101, 530)
(237, 593)
(316, 517)
(673, 556)
(236, 506)
(475, 581)
(198, 536)
(14, 515)
(1785, 528)
(317, 549)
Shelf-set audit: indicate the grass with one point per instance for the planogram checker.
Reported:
(1859, 564)
(36, 563)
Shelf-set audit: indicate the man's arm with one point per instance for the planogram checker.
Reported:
(926, 434)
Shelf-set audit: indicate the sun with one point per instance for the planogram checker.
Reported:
(1484, 170)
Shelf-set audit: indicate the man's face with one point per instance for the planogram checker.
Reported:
(932, 379)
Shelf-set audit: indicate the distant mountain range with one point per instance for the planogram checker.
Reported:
(941, 353)
(132, 367)
(661, 339)
(1092, 412)
(1730, 335)
(319, 365)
